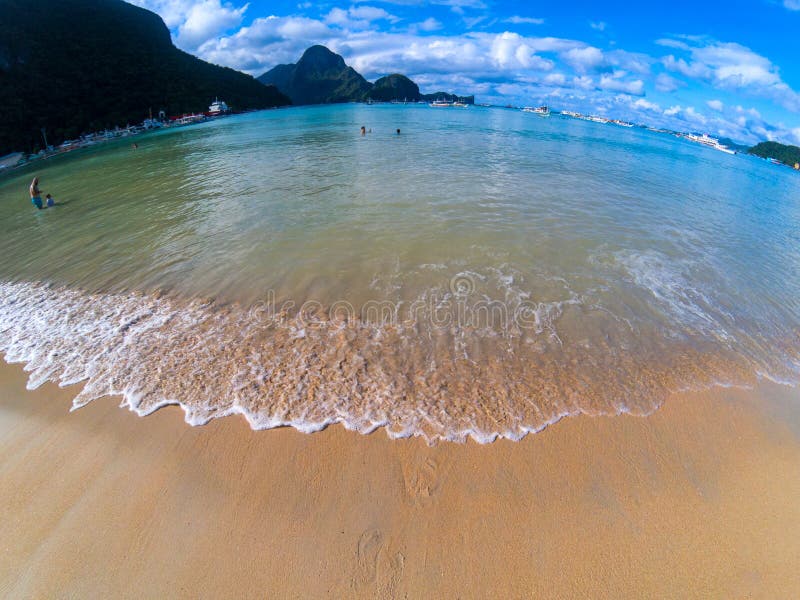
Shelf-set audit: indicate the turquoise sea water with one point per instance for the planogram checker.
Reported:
(483, 273)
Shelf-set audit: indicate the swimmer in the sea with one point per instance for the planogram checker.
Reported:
(36, 195)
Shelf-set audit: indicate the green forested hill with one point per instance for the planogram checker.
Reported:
(74, 66)
(394, 87)
(322, 77)
(319, 77)
(448, 97)
(789, 155)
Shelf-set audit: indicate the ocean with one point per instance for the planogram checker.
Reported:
(482, 274)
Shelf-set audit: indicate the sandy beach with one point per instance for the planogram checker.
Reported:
(701, 499)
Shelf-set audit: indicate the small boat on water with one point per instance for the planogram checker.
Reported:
(542, 111)
(448, 104)
(707, 140)
(218, 107)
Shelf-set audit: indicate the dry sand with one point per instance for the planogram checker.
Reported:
(702, 499)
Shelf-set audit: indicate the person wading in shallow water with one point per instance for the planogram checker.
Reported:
(36, 195)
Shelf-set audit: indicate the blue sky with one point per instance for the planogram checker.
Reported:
(727, 68)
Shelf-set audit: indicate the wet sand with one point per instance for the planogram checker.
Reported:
(700, 499)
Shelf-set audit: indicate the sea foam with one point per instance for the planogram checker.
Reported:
(215, 361)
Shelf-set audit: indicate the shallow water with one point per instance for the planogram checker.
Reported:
(484, 273)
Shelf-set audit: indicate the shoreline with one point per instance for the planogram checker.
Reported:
(230, 360)
(701, 497)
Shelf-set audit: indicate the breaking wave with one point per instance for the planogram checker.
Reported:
(448, 383)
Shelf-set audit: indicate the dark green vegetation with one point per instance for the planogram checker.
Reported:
(789, 155)
(322, 77)
(75, 66)
(448, 97)
(319, 77)
(394, 87)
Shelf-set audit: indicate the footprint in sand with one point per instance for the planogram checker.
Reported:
(421, 481)
(376, 568)
(367, 551)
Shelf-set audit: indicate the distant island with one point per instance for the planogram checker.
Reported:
(322, 77)
(788, 155)
(74, 66)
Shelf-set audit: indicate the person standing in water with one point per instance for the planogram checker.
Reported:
(36, 195)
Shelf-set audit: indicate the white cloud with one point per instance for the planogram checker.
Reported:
(453, 4)
(337, 16)
(584, 58)
(716, 105)
(733, 67)
(208, 19)
(752, 112)
(688, 115)
(695, 70)
(509, 50)
(555, 79)
(517, 20)
(478, 55)
(641, 103)
(792, 4)
(666, 84)
(598, 25)
(172, 11)
(358, 17)
(371, 13)
(429, 24)
(196, 21)
(736, 66)
(616, 83)
(583, 82)
(266, 42)
(629, 61)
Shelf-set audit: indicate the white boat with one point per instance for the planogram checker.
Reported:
(704, 139)
(707, 140)
(188, 119)
(448, 104)
(218, 108)
(542, 111)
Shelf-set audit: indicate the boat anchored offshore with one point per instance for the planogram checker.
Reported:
(218, 108)
(441, 103)
(542, 111)
(709, 141)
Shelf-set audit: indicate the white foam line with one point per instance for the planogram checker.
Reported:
(40, 328)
